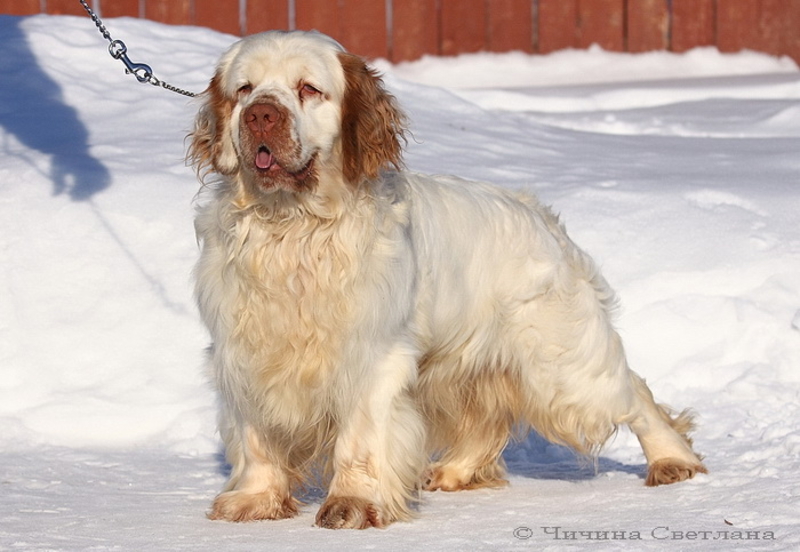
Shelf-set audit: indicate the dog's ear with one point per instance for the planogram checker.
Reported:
(211, 147)
(373, 126)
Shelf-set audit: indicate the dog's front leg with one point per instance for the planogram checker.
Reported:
(258, 487)
(379, 454)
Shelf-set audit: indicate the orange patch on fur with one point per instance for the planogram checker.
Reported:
(372, 123)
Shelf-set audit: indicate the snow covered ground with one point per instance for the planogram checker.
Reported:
(680, 174)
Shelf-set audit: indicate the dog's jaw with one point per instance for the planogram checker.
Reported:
(270, 153)
(270, 173)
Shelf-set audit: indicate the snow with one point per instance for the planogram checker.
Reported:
(680, 174)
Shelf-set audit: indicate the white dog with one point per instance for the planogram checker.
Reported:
(369, 321)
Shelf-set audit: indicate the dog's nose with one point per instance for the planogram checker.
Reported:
(261, 117)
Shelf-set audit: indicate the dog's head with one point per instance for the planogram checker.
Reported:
(288, 110)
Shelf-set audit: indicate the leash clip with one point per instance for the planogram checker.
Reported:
(141, 71)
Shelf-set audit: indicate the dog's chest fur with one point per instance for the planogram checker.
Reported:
(285, 298)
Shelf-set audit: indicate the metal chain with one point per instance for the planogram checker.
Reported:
(118, 50)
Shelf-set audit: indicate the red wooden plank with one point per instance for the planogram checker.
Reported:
(363, 27)
(222, 15)
(601, 22)
(693, 24)
(790, 43)
(19, 7)
(772, 29)
(737, 24)
(173, 12)
(762, 25)
(415, 29)
(510, 25)
(266, 15)
(65, 7)
(648, 25)
(557, 25)
(463, 26)
(120, 8)
(322, 15)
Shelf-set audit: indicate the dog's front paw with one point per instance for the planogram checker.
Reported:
(671, 470)
(348, 512)
(241, 506)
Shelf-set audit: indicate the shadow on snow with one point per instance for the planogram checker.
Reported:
(32, 109)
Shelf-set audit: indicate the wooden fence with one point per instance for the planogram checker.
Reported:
(407, 29)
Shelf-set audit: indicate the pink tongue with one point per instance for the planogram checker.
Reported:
(264, 159)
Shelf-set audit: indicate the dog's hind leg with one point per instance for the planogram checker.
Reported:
(664, 438)
(577, 380)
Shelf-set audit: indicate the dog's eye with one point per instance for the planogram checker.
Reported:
(245, 89)
(307, 91)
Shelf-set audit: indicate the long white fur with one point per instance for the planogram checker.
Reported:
(374, 326)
